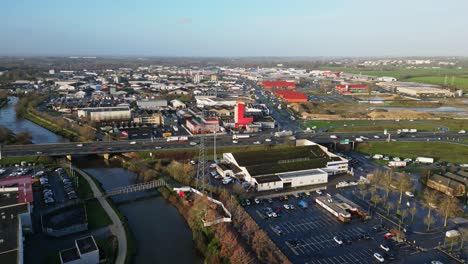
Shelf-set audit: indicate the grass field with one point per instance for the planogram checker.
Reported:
(97, 217)
(431, 76)
(17, 160)
(438, 150)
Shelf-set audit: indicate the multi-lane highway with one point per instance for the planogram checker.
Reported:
(97, 147)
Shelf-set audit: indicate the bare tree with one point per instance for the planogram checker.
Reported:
(403, 214)
(430, 200)
(389, 206)
(403, 184)
(448, 207)
(363, 190)
(428, 220)
(413, 211)
(386, 180)
(376, 198)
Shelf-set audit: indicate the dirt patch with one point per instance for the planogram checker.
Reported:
(399, 114)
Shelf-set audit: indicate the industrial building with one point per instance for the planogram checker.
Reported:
(239, 116)
(416, 89)
(99, 114)
(306, 164)
(15, 221)
(202, 126)
(85, 251)
(351, 88)
(454, 184)
(280, 84)
(214, 101)
(151, 104)
(291, 96)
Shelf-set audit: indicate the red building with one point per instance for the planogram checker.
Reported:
(239, 116)
(280, 84)
(351, 88)
(291, 96)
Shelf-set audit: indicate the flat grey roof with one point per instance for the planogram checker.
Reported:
(295, 174)
(86, 244)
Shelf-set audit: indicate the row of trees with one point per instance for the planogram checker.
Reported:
(389, 182)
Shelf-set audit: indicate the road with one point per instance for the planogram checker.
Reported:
(99, 147)
(117, 227)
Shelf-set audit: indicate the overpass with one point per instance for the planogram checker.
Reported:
(109, 147)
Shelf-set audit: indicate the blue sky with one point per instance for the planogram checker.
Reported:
(234, 28)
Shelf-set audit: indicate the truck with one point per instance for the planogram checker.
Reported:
(172, 139)
(183, 139)
(424, 160)
(240, 136)
(284, 133)
(397, 164)
(413, 130)
(405, 130)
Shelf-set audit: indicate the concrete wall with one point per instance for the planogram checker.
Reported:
(270, 186)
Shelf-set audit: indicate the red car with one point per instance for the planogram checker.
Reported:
(388, 236)
(93, 148)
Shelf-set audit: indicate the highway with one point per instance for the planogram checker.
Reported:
(99, 147)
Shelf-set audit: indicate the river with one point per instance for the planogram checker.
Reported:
(161, 233)
(39, 134)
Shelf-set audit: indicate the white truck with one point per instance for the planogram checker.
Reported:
(240, 136)
(424, 160)
(397, 164)
(183, 139)
(172, 139)
(413, 130)
(284, 133)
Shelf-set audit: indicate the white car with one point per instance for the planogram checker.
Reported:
(333, 136)
(213, 165)
(267, 140)
(387, 249)
(376, 137)
(337, 240)
(257, 143)
(235, 142)
(257, 201)
(133, 143)
(286, 206)
(379, 257)
(409, 194)
(318, 192)
(79, 145)
(193, 143)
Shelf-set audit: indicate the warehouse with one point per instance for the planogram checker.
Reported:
(291, 96)
(151, 104)
(280, 84)
(306, 164)
(416, 89)
(99, 114)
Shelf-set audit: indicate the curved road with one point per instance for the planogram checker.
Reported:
(117, 227)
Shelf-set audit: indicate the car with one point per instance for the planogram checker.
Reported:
(270, 201)
(388, 236)
(158, 147)
(133, 143)
(291, 206)
(79, 145)
(193, 143)
(385, 248)
(296, 195)
(235, 142)
(365, 236)
(277, 209)
(409, 194)
(213, 165)
(379, 257)
(307, 193)
(285, 198)
(376, 136)
(293, 243)
(93, 148)
(436, 262)
(277, 229)
(286, 206)
(256, 143)
(337, 240)
(39, 152)
(267, 140)
(257, 201)
(247, 202)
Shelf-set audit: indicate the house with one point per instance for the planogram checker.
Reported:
(454, 184)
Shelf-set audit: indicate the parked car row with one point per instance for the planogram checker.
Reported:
(67, 184)
(47, 192)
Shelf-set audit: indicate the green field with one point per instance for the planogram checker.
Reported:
(431, 76)
(438, 150)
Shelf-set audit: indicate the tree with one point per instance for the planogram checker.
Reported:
(376, 198)
(389, 206)
(413, 211)
(363, 190)
(430, 200)
(448, 207)
(87, 133)
(386, 180)
(403, 184)
(428, 220)
(403, 214)
(240, 257)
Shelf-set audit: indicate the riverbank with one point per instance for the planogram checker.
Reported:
(117, 228)
(72, 136)
(3, 102)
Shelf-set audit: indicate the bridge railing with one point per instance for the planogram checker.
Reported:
(135, 188)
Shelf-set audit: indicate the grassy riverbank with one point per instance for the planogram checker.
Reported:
(51, 126)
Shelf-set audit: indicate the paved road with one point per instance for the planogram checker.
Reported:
(117, 227)
(97, 147)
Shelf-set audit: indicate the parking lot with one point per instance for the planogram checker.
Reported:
(309, 235)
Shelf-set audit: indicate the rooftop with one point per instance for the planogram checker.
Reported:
(86, 244)
(69, 255)
(9, 226)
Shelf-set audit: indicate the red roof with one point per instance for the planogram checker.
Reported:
(291, 96)
(24, 183)
(278, 84)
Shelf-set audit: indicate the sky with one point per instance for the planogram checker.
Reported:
(234, 28)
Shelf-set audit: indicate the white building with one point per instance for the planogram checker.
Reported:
(99, 114)
(85, 251)
(307, 164)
